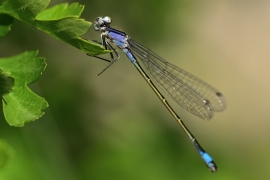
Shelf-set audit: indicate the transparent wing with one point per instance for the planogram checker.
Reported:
(193, 94)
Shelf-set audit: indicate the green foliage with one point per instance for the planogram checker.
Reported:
(62, 22)
(22, 105)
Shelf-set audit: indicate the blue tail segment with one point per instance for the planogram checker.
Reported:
(208, 160)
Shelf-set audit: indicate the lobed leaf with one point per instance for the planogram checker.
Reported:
(22, 105)
(61, 21)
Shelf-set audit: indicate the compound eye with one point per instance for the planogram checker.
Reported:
(96, 27)
(107, 20)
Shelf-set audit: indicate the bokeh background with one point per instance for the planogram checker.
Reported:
(114, 127)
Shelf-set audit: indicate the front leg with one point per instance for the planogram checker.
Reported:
(114, 55)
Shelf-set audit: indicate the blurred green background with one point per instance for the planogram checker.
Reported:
(114, 127)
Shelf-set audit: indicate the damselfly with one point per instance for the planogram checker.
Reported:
(193, 94)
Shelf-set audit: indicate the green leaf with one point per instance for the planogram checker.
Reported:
(61, 11)
(61, 21)
(5, 24)
(22, 105)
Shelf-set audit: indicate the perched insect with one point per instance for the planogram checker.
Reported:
(191, 93)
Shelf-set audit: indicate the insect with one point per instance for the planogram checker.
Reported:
(191, 93)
